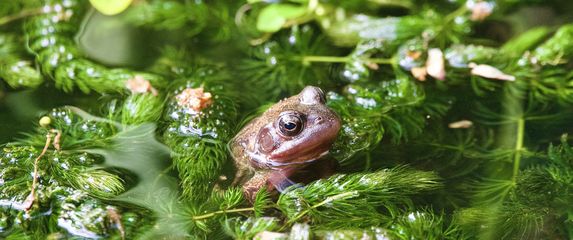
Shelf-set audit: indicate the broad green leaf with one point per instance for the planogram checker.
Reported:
(110, 7)
(273, 17)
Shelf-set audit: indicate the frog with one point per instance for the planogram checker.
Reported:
(288, 144)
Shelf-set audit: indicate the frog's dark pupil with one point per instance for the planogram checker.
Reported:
(290, 125)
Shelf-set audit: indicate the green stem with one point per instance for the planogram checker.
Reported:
(330, 199)
(448, 20)
(307, 59)
(388, 61)
(212, 214)
(334, 59)
(368, 162)
(453, 15)
(511, 133)
(21, 14)
(518, 147)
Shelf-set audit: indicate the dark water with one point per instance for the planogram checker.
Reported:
(107, 40)
(20, 110)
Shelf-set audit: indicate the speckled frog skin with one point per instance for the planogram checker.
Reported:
(286, 140)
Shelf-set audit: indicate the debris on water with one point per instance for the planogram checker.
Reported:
(139, 85)
(435, 64)
(480, 9)
(490, 72)
(419, 73)
(194, 98)
(461, 124)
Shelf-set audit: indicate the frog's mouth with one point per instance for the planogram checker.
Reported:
(314, 145)
(302, 159)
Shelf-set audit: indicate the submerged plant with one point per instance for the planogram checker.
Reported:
(455, 118)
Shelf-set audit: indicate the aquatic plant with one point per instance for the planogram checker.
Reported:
(456, 118)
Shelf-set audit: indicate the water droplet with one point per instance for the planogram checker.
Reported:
(273, 60)
(292, 39)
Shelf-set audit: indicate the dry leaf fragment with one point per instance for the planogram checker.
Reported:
(414, 54)
(31, 198)
(419, 73)
(29, 201)
(115, 219)
(480, 10)
(435, 64)
(372, 66)
(490, 72)
(461, 124)
(194, 98)
(266, 235)
(139, 85)
(57, 139)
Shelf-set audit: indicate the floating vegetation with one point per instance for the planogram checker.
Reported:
(455, 118)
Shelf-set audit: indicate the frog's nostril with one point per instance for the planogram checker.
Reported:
(318, 120)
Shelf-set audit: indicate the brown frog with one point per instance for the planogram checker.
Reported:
(286, 144)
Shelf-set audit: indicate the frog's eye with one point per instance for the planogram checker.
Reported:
(290, 124)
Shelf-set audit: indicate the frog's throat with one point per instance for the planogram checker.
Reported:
(264, 162)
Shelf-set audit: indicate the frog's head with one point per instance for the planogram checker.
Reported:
(296, 130)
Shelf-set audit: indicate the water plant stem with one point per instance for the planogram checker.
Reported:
(446, 25)
(20, 15)
(518, 147)
(212, 214)
(453, 15)
(334, 59)
(330, 199)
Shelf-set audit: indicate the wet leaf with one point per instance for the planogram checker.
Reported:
(110, 7)
(273, 17)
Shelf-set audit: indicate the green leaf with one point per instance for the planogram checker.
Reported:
(110, 7)
(273, 17)
(525, 41)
